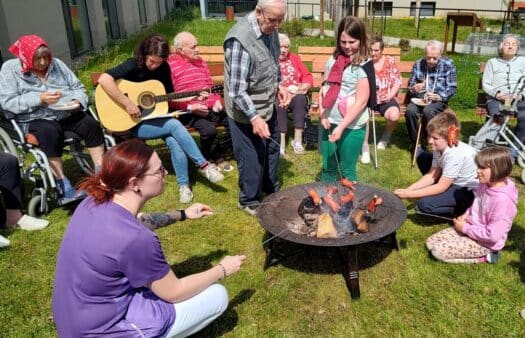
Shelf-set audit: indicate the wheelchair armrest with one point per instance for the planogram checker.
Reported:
(7, 115)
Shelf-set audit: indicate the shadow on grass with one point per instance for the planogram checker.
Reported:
(228, 320)
(195, 264)
(326, 260)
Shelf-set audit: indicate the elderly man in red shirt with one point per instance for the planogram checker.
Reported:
(189, 72)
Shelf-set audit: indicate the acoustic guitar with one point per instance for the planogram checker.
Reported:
(151, 98)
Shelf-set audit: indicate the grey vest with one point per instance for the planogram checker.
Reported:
(263, 73)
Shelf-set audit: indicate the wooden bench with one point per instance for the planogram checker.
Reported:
(316, 57)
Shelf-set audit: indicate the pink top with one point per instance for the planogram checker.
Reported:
(491, 214)
(190, 76)
(387, 76)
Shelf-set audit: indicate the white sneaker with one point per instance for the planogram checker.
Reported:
(212, 173)
(185, 194)
(382, 145)
(297, 147)
(281, 153)
(4, 242)
(29, 223)
(365, 157)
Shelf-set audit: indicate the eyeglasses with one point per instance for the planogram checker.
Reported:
(272, 21)
(160, 172)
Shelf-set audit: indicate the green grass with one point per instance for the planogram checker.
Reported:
(403, 293)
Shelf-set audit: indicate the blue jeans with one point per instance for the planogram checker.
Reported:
(194, 314)
(178, 140)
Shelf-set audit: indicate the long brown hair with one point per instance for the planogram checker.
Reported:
(154, 44)
(354, 27)
(122, 162)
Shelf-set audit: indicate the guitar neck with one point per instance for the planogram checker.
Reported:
(174, 96)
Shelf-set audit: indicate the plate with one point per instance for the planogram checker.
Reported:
(65, 107)
(293, 89)
(418, 101)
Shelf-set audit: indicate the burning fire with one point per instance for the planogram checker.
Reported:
(334, 214)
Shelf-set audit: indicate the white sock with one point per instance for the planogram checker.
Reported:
(283, 141)
(298, 136)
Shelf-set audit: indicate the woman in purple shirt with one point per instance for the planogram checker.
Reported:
(112, 278)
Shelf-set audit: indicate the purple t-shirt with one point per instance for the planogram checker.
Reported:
(105, 261)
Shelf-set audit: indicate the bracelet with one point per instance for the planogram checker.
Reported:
(223, 270)
(182, 214)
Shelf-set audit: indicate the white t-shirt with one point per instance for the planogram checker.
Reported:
(457, 163)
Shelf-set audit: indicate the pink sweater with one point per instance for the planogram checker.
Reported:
(190, 76)
(490, 216)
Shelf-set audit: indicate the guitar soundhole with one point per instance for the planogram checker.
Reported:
(146, 100)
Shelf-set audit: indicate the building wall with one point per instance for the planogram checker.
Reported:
(44, 18)
(482, 8)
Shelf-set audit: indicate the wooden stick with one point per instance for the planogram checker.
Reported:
(417, 140)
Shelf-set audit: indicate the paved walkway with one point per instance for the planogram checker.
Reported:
(392, 41)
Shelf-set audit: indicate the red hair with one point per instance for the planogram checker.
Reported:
(121, 163)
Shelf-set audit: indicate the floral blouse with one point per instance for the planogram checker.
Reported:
(387, 76)
(289, 75)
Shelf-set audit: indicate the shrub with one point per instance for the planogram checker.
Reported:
(404, 44)
(293, 28)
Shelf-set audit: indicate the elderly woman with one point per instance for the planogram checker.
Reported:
(112, 278)
(388, 81)
(296, 77)
(48, 99)
(500, 77)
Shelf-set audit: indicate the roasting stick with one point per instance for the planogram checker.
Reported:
(432, 215)
(287, 154)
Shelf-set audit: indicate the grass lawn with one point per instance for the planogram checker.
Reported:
(403, 293)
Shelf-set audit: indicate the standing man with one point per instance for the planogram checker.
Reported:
(189, 72)
(251, 79)
(434, 80)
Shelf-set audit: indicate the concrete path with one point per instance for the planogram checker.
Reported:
(392, 41)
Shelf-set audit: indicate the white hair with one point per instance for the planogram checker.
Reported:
(284, 38)
(263, 4)
(507, 37)
(434, 44)
(178, 40)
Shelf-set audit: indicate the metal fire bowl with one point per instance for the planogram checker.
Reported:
(280, 208)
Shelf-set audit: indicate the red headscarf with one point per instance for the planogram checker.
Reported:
(24, 48)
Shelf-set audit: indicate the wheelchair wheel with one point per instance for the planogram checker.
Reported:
(6, 144)
(37, 207)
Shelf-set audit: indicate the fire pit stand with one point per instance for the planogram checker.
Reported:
(280, 209)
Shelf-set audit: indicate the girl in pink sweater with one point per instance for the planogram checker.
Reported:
(479, 234)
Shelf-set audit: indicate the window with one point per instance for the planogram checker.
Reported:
(377, 8)
(142, 12)
(426, 9)
(77, 26)
(111, 19)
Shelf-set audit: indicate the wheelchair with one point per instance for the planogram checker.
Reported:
(496, 131)
(34, 165)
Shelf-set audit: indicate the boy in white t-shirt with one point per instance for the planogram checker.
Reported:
(449, 172)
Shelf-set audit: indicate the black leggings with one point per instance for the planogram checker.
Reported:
(10, 184)
(50, 134)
